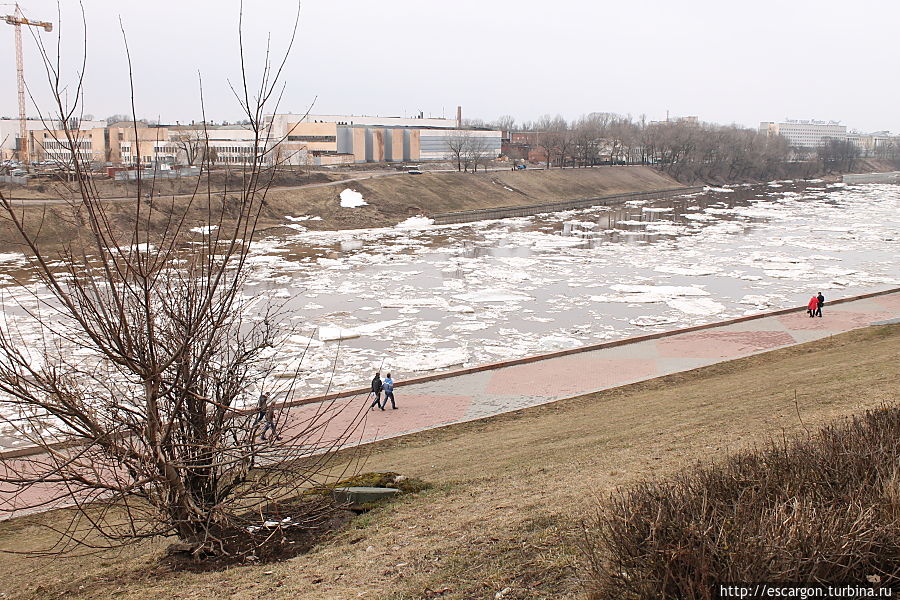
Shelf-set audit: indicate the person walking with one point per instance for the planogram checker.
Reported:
(376, 391)
(820, 300)
(388, 386)
(270, 424)
(812, 306)
(261, 408)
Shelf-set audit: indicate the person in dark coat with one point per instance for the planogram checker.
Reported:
(261, 408)
(270, 423)
(812, 306)
(820, 300)
(376, 391)
(388, 392)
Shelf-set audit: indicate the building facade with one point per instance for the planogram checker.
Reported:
(286, 139)
(805, 134)
(336, 139)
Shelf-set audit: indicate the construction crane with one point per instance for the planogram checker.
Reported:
(17, 19)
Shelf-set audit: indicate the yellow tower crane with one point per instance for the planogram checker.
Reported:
(17, 19)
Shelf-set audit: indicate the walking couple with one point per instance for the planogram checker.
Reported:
(386, 386)
(814, 306)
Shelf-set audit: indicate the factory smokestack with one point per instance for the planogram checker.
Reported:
(459, 117)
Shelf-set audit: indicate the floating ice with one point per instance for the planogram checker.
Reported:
(352, 199)
(695, 270)
(722, 190)
(435, 302)
(330, 333)
(665, 227)
(430, 360)
(652, 321)
(662, 290)
(558, 342)
(461, 308)
(493, 295)
(696, 306)
(468, 326)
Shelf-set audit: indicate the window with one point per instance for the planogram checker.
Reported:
(312, 138)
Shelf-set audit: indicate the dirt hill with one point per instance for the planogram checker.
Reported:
(391, 199)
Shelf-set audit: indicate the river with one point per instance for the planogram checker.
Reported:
(419, 298)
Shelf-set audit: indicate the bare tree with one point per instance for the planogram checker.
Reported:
(505, 123)
(553, 139)
(191, 145)
(837, 154)
(458, 148)
(478, 151)
(130, 368)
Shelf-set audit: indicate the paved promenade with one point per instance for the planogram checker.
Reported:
(488, 390)
(493, 390)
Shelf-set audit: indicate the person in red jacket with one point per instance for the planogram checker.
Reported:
(812, 306)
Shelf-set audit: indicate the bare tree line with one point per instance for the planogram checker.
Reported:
(687, 150)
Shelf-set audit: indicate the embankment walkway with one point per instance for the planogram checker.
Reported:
(487, 390)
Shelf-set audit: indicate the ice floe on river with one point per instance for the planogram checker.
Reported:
(423, 297)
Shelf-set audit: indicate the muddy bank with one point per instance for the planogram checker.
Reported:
(388, 200)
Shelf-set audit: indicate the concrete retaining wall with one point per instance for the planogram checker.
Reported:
(467, 216)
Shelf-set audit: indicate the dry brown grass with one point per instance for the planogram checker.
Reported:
(509, 491)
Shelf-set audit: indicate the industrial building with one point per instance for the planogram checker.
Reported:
(289, 139)
(345, 139)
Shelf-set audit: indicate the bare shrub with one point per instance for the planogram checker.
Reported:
(819, 509)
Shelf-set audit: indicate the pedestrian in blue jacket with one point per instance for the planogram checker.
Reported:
(388, 386)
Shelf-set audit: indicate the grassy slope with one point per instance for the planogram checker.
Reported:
(391, 199)
(394, 198)
(511, 489)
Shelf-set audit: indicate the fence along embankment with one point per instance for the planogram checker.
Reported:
(467, 216)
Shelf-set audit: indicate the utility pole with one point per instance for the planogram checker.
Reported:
(17, 19)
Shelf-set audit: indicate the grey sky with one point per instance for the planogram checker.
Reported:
(722, 60)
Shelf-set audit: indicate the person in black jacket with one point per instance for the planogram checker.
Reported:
(376, 391)
(261, 407)
(821, 300)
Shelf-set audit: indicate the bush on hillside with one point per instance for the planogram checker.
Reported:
(824, 508)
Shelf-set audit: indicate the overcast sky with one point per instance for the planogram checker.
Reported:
(725, 61)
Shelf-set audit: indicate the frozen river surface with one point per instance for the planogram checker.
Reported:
(417, 298)
(420, 299)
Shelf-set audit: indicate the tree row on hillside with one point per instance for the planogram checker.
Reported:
(685, 149)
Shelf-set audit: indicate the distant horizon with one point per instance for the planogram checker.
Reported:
(91, 117)
(726, 63)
